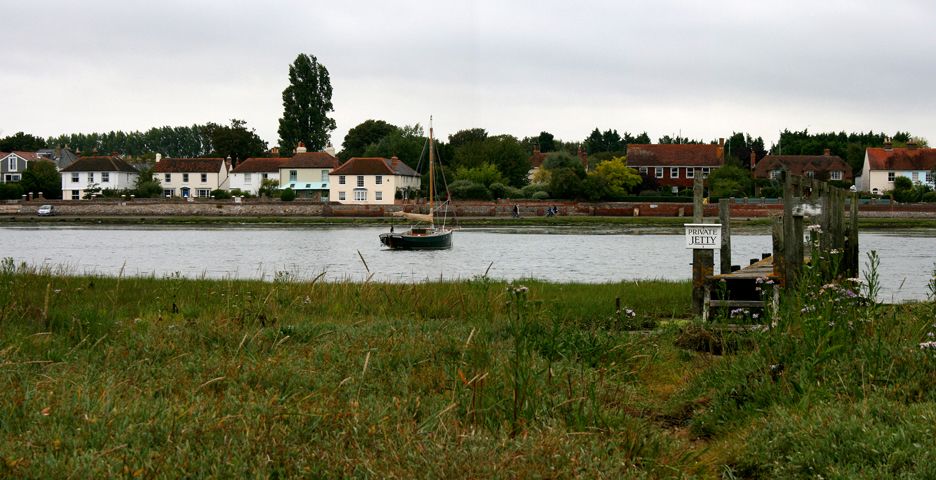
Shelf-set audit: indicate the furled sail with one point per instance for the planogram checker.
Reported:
(416, 217)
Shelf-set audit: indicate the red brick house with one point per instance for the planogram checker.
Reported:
(675, 165)
(538, 157)
(823, 167)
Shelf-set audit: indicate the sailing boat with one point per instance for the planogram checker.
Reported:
(425, 237)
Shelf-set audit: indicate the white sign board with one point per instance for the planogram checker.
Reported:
(705, 236)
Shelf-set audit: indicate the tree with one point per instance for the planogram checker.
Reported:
(42, 176)
(306, 104)
(147, 186)
(485, 174)
(464, 137)
(22, 142)
(268, 188)
(730, 180)
(619, 178)
(235, 141)
(546, 142)
(365, 134)
(406, 143)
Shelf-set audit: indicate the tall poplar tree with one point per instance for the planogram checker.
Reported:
(306, 104)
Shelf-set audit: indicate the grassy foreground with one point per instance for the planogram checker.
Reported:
(145, 377)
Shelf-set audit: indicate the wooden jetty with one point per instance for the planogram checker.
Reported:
(747, 287)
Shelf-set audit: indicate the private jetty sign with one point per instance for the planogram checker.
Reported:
(705, 236)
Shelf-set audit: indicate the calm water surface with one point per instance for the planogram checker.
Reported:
(907, 258)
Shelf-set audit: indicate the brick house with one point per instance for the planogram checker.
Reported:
(823, 167)
(675, 165)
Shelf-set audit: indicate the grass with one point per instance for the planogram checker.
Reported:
(174, 377)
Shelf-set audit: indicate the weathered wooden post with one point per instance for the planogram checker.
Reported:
(703, 260)
(724, 217)
(851, 248)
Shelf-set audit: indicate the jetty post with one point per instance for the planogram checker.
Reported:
(724, 217)
(703, 260)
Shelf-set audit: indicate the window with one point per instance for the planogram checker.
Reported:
(690, 173)
(168, 192)
(379, 181)
(293, 174)
(12, 177)
(774, 174)
(324, 176)
(659, 172)
(915, 176)
(75, 177)
(341, 196)
(204, 192)
(643, 170)
(810, 174)
(204, 178)
(360, 195)
(378, 196)
(184, 178)
(340, 179)
(835, 175)
(360, 180)
(76, 195)
(248, 179)
(890, 176)
(705, 172)
(929, 177)
(674, 172)
(90, 177)
(11, 163)
(105, 177)
(167, 177)
(264, 176)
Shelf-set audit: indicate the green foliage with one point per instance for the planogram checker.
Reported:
(407, 143)
(467, 189)
(484, 174)
(21, 142)
(739, 146)
(539, 195)
(467, 136)
(220, 194)
(559, 160)
(287, 195)
(268, 188)
(611, 141)
(620, 178)
(147, 186)
(472, 150)
(546, 142)
(499, 190)
(849, 146)
(903, 183)
(929, 197)
(905, 191)
(567, 183)
(42, 176)
(180, 142)
(365, 134)
(306, 105)
(235, 141)
(666, 139)
(11, 191)
(730, 180)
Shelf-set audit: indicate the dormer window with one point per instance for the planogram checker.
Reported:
(835, 175)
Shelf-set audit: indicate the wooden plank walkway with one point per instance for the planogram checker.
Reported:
(743, 287)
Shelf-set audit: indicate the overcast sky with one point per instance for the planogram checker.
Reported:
(702, 69)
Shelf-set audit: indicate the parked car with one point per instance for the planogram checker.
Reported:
(46, 210)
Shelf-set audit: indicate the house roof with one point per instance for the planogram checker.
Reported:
(374, 166)
(187, 165)
(99, 164)
(310, 160)
(260, 165)
(901, 158)
(799, 164)
(675, 155)
(29, 156)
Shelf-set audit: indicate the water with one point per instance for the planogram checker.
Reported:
(907, 258)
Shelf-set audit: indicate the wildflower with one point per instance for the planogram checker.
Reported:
(755, 316)
(928, 346)
(853, 280)
(813, 228)
(931, 334)
(630, 313)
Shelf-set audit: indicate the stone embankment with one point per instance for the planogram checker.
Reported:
(501, 208)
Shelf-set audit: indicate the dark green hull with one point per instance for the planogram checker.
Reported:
(418, 239)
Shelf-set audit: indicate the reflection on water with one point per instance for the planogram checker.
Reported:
(907, 258)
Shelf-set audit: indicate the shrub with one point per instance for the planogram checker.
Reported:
(531, 189)
(287, 195)
(467, 189)
(221, 194)
(10, 191)
(540, 195)
(929, 197)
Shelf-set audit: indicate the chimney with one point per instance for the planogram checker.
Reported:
(721, 142)
(753, 159)
(301, 148)
(535, 148)
(329, 149)
(826, 152)
(158, 157)
(912, 144)
(888, 145)
(394, 161)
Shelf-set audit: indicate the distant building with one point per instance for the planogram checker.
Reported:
(62, 157)
(883, 165)
(192, 177)
(823, 167)
(372, 180)
(675, 165)
(13, 164)
(307, 173)
(91, 173)
(537, 158)
(250, 174)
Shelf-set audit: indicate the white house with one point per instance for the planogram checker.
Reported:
(371, 180)
(88, 173)
(307, 173)
(192, 177)
(250, 174)
(883, 165)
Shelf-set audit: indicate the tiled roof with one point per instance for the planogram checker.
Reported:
(374, 166)
(99, 164)
(675, 155)
(29, 156)
(311, 160)
(187, 165)
(902, 158)
(260, 165)
(799, 164)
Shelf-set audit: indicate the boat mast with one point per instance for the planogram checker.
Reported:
(431, 174)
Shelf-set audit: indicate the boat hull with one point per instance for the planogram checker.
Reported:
(437, 240)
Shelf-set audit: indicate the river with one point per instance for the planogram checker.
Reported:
(354, 253)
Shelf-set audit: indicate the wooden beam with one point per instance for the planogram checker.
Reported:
(724, 217)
